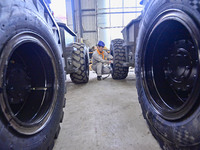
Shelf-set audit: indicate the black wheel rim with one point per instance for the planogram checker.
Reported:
(171, 65)
(29, 83)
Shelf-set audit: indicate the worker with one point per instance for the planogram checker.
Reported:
(99, 60)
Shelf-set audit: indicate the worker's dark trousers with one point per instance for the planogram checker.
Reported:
(101, 69)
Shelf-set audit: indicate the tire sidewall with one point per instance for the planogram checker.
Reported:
(183, 132)
(28, 21)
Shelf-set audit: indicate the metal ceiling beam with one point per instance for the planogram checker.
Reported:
(80, 17)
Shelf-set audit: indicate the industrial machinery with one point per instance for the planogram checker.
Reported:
(165, 53)
(34, 60)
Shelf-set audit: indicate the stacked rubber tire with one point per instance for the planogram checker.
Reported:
(118, 52)
(32, 76)
(168, 74)
(80, 61)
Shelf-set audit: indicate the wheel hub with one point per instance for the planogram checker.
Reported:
(170, 65)
(18, 83)
(179, 65)
(29, 83)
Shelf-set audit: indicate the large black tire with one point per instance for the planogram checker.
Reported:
(32, 77)
(80, 61)
(168, 72)
(119, 57)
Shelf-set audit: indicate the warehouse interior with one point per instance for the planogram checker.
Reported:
(105, 115)
(94, 20)
(100, 74)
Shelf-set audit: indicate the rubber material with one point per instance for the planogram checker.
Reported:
(29, 16)
(176, 134)
(80, 61)
(119, 57)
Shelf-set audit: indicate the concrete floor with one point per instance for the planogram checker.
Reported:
(104, 115)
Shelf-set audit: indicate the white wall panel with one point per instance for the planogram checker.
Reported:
(89, 23)
(88, 4)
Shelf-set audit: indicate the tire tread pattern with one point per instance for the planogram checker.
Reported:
(81, 74)
(118, 52)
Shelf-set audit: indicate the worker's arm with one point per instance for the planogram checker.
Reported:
(108, 56)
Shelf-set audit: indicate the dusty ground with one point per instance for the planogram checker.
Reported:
(104, 115)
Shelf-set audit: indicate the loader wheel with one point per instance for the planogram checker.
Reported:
(80, 61)
(168, 72)
(32, 83)
(119, 57)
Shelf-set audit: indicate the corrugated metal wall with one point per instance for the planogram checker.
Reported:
(89, 25)
(92, 19)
